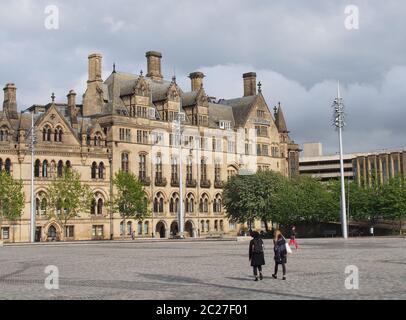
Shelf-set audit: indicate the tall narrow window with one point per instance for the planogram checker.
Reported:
(217, 172)
(100, 207)
(94, 169)
(101, 170)
(189, 170)
(37, 166)
(7, 166)
(203, 169)
(174, 170)
(124, 162)
(142, 174)
(158, 168)
(60, 168)
(45, 169)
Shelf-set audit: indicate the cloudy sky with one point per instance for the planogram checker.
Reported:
(299, 50)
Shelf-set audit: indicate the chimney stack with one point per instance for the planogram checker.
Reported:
(95, 67)
(10, 100)
(154, 65)
(250, 84)
(93, 97)
(196, 80)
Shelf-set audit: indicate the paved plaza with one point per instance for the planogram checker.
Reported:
(203, 270)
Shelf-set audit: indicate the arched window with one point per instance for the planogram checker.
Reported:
(204, 203)
(94, 170)
(124, 162)
(100, 206)
(130, 227)
(159, 203)
(60, 168)
(37, 205)
(139, 230)
(58, 134)
(7, 166)
(1, 164)
(4, 134)
(93, 207)
(216, 225)
(174, 203)
(44, 204)
(221, 225)
(45, 169)
(97, 139)
(190, 203)
(207, 225)
(146, 227)
(121, 228)
(68, 165)
(217, 204)
(101, 170)
(202, 225)
(37, 166)
(52, 169)
(46, 133)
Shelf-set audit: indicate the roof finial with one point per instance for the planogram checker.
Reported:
(279, 104)
(141, 72)
(275, 109)
(114, 67)
(259, 87)
(174, 79)
(53, 97)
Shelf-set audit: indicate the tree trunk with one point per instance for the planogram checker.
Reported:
(266, 226)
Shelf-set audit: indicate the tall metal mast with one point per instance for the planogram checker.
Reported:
(339, 123)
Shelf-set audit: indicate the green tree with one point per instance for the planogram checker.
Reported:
(130, 200)
(68, 198)
(12, 198)
(393, 200)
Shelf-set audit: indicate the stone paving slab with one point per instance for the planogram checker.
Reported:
(204, 270)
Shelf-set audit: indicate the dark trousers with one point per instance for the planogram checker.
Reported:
(256, 269)
(283, 268)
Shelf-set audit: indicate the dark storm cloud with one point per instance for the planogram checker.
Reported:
(299, 50)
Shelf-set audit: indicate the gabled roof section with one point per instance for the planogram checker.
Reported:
(280, 121)
(218, 112)
(241, 107)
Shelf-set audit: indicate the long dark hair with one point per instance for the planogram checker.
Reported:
(255, 234)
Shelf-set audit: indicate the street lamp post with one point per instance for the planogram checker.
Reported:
(178, 134)
(339, 123)
(111, 196)
(32, 202)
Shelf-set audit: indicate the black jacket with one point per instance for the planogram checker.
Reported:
(257, 259)
(280, 251)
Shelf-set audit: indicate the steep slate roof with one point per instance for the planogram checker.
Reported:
(241, 107)
(219, 112)
(189, 98)
(280, 121)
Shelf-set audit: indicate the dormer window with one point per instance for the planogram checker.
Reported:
(225, 124)
(260, 114)
(46, 133)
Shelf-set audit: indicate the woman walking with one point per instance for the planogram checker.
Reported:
(280, 254)
(293, 237)
(256, 255)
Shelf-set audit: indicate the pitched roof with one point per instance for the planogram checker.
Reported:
(219, 112)
(241, 107)
(280, 121)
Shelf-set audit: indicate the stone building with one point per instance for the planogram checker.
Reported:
(126, 123)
